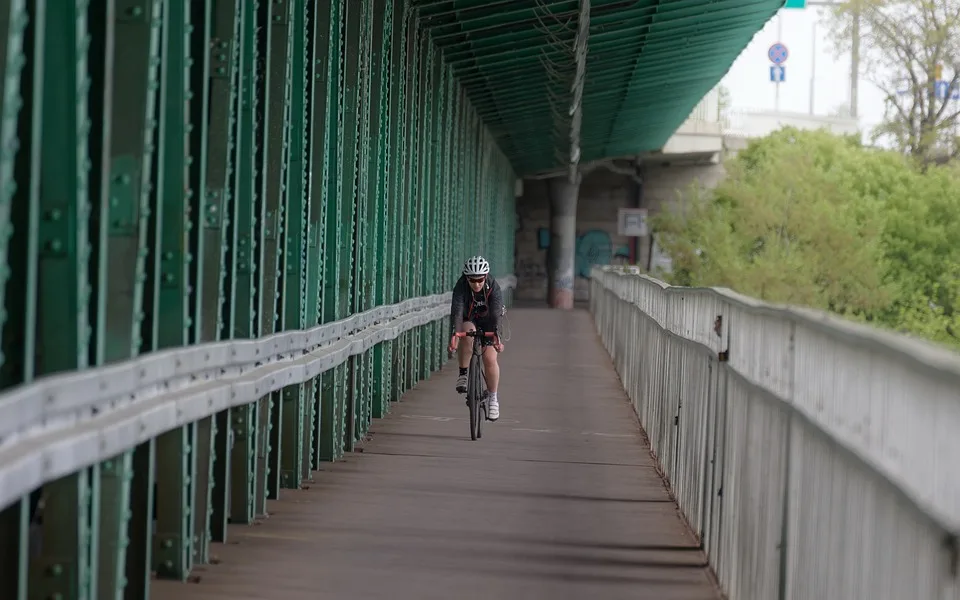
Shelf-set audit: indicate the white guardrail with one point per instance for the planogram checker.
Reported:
(816, 459)
(63, 423)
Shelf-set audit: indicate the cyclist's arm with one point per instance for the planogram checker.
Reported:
(456, 308)
(496, 306)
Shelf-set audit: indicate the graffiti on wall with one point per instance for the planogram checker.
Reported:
(594, 247)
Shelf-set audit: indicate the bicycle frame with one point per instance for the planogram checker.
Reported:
(476, 382)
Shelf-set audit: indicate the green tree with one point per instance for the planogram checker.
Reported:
(906, 47)
(815, 219)
(922, 256)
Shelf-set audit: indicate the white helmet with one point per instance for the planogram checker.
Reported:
(476, 265)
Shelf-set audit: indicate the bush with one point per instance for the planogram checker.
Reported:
(816, 219)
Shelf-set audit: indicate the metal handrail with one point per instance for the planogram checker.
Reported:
(806, 429)
(59, 424)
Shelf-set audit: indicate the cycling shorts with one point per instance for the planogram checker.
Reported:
(485, 325)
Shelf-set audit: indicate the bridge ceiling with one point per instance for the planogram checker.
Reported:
(562, 82)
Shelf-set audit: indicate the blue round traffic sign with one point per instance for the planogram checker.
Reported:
(778, 53)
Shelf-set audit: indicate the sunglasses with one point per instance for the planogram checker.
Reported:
(476, 279)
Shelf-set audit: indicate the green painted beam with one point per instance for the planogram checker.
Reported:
(499, 49)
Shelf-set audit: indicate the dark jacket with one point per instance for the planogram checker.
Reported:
(486, 306)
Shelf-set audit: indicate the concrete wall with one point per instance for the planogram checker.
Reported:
(602, 194)
(664, 184)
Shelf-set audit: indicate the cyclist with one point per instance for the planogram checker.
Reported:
(478, 302)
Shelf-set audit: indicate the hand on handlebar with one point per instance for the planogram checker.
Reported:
(455, 341)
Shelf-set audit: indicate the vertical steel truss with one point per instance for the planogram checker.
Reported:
(176, 172)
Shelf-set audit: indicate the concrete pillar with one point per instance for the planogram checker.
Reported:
(562, 254)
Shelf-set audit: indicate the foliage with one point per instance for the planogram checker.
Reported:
(904, 45)
(815, 219)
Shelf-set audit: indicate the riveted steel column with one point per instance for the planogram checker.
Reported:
(451, 202)
(203, 258)
(295, 237)
(332, 199)
(408, 189)
(382, 45)
(425, 260)
(313, 209)
(438, 250)
(422, 195)
(169, 304)
(443, 207)
(244, 261)
(15, 158)
(398, 87)
(275, 17)
(472, 225)
(366, 275)
(456, 222)
(474, 199)
(431, 251)
(439, 331)
(467, 225)
(469, 191)
(350, 91)
(403, 170)
(138, 32)
(361, 223)
(372, 135)
(482, 204)
(319, 156)
(220, 256)
(406, 150)
(411, 268)
(54, 207)
(117, 117)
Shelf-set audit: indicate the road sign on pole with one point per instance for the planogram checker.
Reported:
(778, 53)
(778, 73)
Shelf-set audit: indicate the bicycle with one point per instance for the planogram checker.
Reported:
(476, 382)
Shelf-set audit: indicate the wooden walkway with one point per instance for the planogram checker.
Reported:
(559, 499)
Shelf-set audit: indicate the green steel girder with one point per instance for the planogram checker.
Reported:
(223, 170)
(532, 31)
(605, 52)
(519, 19)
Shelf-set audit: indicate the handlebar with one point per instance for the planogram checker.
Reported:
(473, 334)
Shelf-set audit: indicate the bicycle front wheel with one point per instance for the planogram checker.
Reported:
(474, 395)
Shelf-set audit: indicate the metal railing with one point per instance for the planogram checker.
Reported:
(61, 424)
(816, 459)
(747, 122)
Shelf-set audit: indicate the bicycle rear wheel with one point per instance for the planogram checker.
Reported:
(474, 395)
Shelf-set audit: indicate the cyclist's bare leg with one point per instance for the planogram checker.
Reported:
(491, 369)
(465, 348)
(464, 351)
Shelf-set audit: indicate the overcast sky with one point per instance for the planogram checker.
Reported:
(749, 78)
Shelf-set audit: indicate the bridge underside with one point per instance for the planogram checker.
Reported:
(562, 82)
(180, 173)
